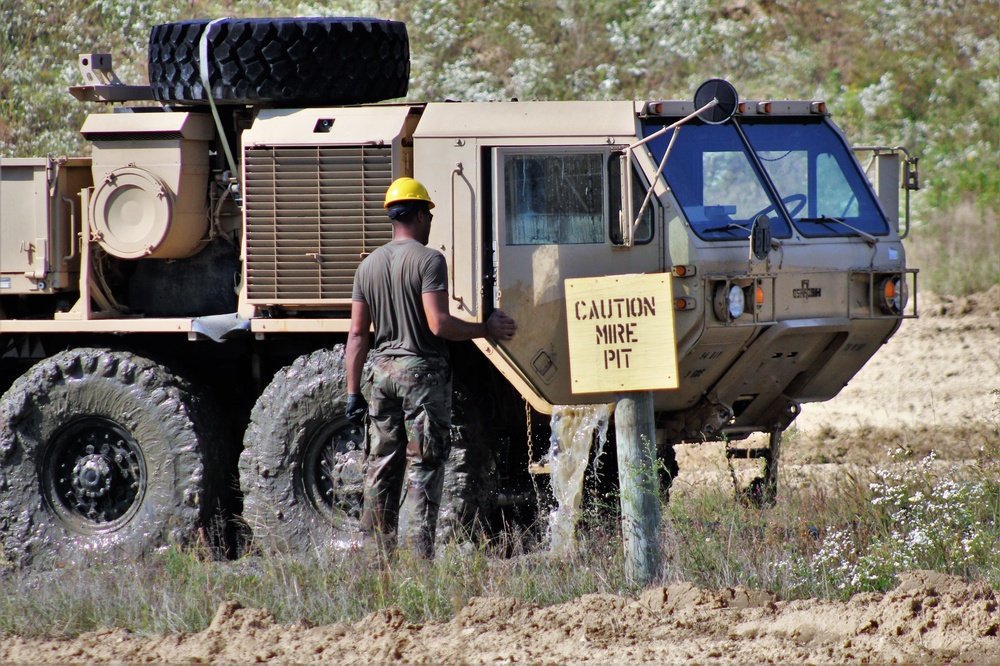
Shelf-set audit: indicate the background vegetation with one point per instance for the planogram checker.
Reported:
(919, 73)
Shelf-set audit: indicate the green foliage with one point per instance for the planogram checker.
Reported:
(924, 75)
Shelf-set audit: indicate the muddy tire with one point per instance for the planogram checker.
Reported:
(470, 481)
(100, 458)
(291, 61)
(301, 470)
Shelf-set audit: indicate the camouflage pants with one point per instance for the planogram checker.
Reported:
(410, 419)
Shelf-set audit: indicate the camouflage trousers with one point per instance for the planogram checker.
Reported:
(410, 420)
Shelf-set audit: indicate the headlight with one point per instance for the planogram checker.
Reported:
(737, 302)
(891, 295)
(730, 303)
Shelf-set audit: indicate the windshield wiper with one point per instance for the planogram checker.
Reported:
(728, 227)
(824, 219)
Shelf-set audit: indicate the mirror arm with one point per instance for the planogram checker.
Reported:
(652, 185)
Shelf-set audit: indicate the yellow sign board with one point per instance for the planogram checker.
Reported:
(621, 333)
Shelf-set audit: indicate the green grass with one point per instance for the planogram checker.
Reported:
(826, 542)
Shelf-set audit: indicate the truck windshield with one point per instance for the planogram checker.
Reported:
(816, 176)
(713, 177)
(821, 186)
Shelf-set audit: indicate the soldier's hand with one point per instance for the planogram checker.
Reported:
(356, 409)
(501, 326)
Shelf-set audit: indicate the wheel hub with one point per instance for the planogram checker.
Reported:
(333, 475)
(94, 474)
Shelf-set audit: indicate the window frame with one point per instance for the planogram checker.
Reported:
(605, 153)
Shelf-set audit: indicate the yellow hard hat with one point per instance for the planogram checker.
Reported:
(407, 189)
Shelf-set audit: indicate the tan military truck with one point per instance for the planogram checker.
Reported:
(172, 307)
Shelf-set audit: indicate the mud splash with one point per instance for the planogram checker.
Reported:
(573, 433)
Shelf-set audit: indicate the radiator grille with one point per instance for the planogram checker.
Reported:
(312, 213)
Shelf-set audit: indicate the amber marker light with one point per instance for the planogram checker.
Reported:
(684, 304)
(759, 296)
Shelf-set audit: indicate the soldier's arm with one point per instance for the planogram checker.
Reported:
(441, 322)
(358, 343)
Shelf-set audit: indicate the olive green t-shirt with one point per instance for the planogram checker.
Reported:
(392, 280)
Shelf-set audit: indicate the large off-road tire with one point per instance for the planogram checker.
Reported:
(302, 466)
(100, 457)
(283, 62)
(470, 481)
(301, 470)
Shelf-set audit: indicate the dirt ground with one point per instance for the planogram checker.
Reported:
(935, 385)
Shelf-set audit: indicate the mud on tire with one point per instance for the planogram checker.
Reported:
(470, 482)
(301, 470)
(302, 466)
(291, 61)
(100, 458)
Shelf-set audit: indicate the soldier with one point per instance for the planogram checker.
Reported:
(402, 288)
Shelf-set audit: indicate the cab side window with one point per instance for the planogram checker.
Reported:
(554, 198)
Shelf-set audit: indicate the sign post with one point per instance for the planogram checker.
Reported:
(640, 487)
(621, 341)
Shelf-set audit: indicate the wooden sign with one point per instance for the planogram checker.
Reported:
(621, 333)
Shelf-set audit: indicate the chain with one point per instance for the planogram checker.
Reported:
(531, 448)
(532, 472)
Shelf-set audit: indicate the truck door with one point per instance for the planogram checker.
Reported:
(556, 216)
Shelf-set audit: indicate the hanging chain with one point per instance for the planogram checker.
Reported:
(531, 447)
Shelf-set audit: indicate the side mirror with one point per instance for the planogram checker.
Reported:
(760, 237)
(726, 97)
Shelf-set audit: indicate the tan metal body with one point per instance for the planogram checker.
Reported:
(40, 217)
(312, 182)
(156, 206)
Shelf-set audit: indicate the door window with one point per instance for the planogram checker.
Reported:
(554, 198)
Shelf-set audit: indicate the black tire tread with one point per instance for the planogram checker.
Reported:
(301, 61)
(37, 404)
(312, 389)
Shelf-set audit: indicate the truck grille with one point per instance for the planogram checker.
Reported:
(312, 214)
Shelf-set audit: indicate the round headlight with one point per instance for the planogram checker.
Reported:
(736, 302)
(729, 301)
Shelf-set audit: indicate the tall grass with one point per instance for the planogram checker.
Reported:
(957, 250)
(827, 542)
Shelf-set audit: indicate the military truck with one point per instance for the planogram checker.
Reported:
(173, 307)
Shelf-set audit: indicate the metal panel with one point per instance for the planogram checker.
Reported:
(312, 214)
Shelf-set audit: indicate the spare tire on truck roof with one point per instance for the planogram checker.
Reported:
(281, 61)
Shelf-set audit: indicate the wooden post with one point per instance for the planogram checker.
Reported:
(635, 430)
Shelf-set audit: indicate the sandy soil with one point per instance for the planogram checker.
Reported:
(935, 385)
